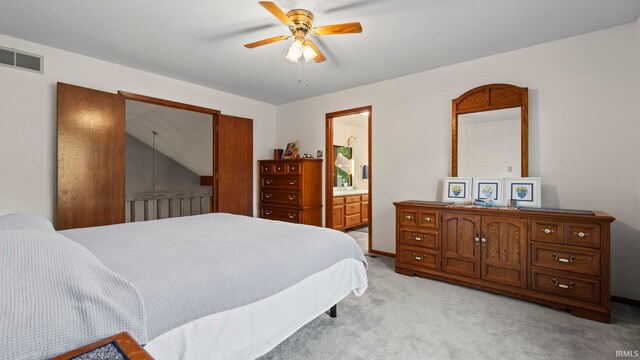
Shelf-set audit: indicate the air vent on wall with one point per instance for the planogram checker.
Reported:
(21, 60)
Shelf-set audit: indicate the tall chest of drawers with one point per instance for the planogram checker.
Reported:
(291, 190)
(553, 258)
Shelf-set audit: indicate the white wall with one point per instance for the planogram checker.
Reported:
(28, 118)
(583, 132)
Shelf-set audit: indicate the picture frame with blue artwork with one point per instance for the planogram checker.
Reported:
(526, 191)
(456, 189)
(491, 188)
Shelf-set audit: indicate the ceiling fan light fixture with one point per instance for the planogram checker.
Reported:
(309, 53)
(295, 51)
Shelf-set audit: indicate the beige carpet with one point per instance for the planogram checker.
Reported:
(401, 317)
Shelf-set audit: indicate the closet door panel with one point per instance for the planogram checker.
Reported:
(91, 157)
(234, 157)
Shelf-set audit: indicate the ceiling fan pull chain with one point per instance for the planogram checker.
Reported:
(299, 72)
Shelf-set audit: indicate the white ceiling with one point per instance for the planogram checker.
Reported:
(201, 41)
(357, 120)
(490, 116)
(184, 136)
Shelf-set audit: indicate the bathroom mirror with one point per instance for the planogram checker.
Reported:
(344, 166)
(490, 132)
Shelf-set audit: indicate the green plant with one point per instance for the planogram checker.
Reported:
(456, 188)
(521, 189)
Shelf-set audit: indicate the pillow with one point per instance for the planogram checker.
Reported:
(25, 222)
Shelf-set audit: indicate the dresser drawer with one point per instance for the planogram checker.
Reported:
(279, 169)
(280, 197)
(338, 200)
(293, 169)
(266, 169)
(582, 234)
(546, 231)
(566, 285)
(274, 213)
(428, 219)
(351, 209)
(281, 182)
(566, 258)
(427, 239)
(352, 199)
(409, 217)
(351, 220)
(419, 257)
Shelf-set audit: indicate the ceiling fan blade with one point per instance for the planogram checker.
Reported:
(320, 57)
(277, 12)
(266, 41)
(349, 28)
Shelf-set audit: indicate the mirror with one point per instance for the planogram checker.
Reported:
(489, 143)
(489, 132)
(344, 166)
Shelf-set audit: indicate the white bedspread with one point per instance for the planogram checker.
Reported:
(55, 296)
(191, 267)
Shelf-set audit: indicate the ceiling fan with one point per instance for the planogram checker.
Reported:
(300, 23)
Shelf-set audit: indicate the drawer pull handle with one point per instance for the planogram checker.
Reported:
(408, 217)
(292, 216)
(291, 182)
(428, 219)
(580, 234)
(570, 259)
(267, 182)
(268, 212)
(291, 197)
(416, 238)
(293, 168)
(483, 240)
(268, 195)
(547, 231)
(419, 258)
(563, 286)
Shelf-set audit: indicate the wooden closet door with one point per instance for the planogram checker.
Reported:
(460, 251)
(504, 254)
(91, 158)
(233, 190)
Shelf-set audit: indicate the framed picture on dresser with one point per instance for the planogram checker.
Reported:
(456, 189)
(526, 191)
(491, 188)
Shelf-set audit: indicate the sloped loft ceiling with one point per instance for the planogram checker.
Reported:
(184, 136)
(201, 41)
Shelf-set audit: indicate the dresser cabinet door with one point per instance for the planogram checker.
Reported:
(504, 255)
(460, 251)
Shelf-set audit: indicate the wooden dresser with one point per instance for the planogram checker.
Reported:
(291, 190)
(350, 211)
(553, 258)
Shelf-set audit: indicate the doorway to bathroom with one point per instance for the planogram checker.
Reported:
(348, 174)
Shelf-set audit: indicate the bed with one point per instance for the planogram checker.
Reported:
(214, 286)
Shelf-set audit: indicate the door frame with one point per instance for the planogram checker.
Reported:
(329, 168)
(183, 106)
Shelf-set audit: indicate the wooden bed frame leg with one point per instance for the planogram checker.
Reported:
(333, 312)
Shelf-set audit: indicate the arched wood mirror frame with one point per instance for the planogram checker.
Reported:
(487, 98)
